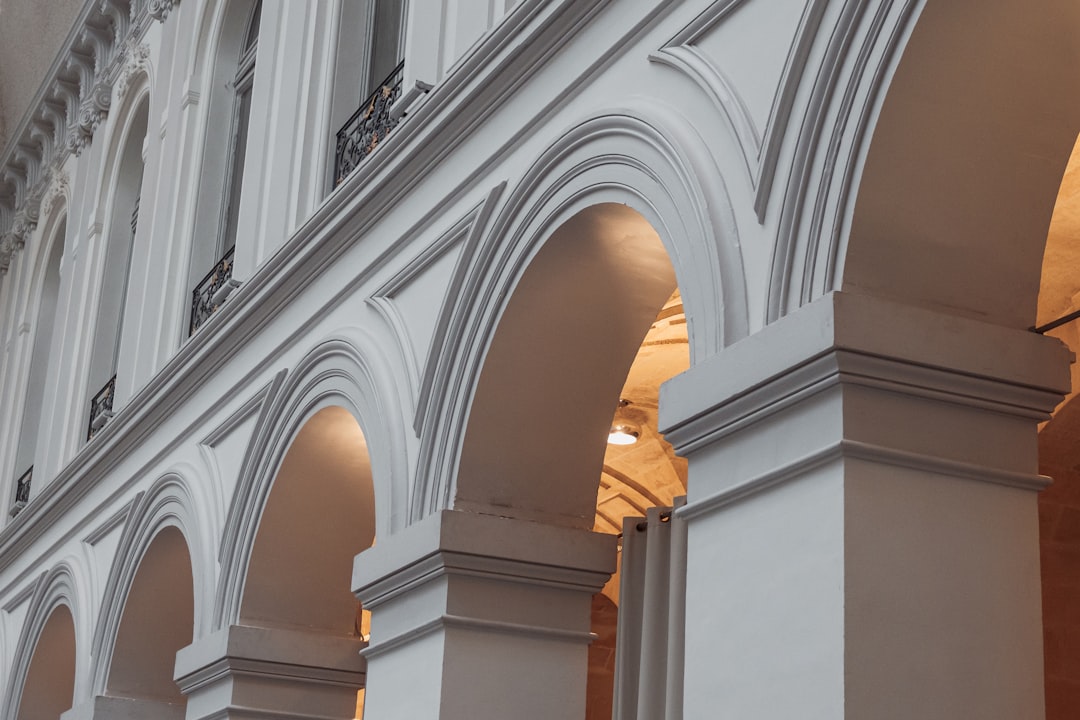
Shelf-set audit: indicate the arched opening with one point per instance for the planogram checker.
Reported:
(1059, 458)
(217, 219)
(40, 353)
(50, 680)
(158, 620)
(563, 425)
(320, 513)
(120, 242)
(370, 42)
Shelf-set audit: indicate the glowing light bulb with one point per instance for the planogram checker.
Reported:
(622, 435)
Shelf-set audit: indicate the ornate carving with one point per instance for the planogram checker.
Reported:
(136, 60)
(7, 249)
(92, 112)
(160, 9)
(57, 188)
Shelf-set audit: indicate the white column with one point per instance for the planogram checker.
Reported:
(252, 672)
(863, 536)
(476, 616)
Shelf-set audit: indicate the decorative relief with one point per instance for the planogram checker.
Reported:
(160, 9)
(136, 61)
(71, 109)
(58, 188)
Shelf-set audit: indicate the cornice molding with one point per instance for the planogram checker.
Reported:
(70, 106)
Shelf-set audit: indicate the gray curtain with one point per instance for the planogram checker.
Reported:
(652, 619)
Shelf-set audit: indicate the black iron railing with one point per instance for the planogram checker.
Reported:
(209, 294)
(22, 491)
(101, 408)
(368, 126)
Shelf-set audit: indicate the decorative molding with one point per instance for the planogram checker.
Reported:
(760, 148)
(136, 62)
(160, 9)
(868, 452)
(59, 188)
(468, 230)
(835, 130)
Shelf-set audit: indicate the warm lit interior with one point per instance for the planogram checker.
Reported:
(1059, 458)
(636, 476)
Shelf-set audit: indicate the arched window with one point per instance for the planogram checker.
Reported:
(43, 329)
(123, 220)
(368, 80)
(218, 214)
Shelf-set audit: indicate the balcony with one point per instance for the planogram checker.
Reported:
(368, 126)
(101, 409)
(22, 491)
(211, 293)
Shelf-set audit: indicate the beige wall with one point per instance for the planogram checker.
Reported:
(31, 32)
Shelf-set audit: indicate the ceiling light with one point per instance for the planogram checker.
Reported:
(622, 435)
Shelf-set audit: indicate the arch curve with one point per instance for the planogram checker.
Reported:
(961, 174)
(55, 588)
(627, 157)
(344, 370)
(168, 503)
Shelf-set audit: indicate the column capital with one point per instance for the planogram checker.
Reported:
(847, 338)
(454, 541)
(231, 673)
(480, 616)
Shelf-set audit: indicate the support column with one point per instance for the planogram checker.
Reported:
(476, 616)
(255, 672)
(863, 530)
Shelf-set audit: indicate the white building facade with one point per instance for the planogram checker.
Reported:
(314, 316)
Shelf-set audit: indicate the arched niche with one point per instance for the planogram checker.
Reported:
(46, 294)
(319, 514)
(962, 171)
(50, 679)
(550, 382)
(157, 621)
(123, 206)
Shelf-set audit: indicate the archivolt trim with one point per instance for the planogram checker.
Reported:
(628, 156)
(808, 254)
(345, 370)
(170, 502)
(55, 587)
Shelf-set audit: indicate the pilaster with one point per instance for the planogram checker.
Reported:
(862, 515)
(476, 616)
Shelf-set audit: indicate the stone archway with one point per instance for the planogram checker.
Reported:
(157, 621)
(50, 680)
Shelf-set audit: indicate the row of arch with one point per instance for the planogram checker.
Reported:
(312, 513)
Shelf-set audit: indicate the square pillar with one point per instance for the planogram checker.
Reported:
(863, 530)
(254, 672)
(477, 616)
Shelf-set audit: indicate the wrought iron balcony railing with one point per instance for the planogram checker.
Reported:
(212, 291)
(368, 126)
(101, 409)
(22, 491)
